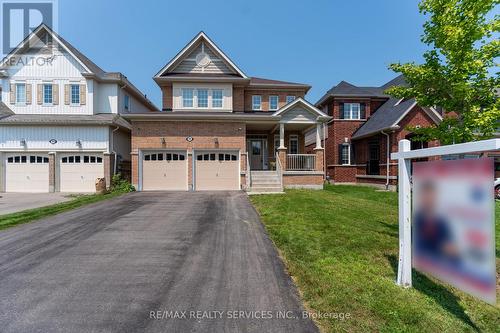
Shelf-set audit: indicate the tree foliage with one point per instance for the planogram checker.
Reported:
(460, 69)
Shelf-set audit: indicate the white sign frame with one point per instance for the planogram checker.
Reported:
(404, 157)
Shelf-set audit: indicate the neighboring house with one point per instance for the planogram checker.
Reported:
(221, 130)
(60, 123)
(366, 127)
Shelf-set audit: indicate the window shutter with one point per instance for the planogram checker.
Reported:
(83, 94)
(55, 94)
(28, 94)
(12, 93)
(39, 94)
(66, 94)
(362, 106)
(340, 154)
(341, 108)
(353, 155)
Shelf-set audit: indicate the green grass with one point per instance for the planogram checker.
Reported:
(26, 216)
(340, 246)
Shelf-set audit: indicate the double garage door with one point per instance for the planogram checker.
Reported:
(30, 172)
(211, 170)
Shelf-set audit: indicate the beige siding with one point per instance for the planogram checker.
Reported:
(216, 66)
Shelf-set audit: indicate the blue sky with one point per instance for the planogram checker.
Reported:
(315, 42)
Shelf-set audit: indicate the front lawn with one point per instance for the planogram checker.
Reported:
(340, 246)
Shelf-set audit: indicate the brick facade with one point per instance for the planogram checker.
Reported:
(341, 130)
(173, 134)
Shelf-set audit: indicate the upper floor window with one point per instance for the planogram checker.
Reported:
(256, 102)
(273, 102)
(47, 94)
(20, 93)
(290, 99)
(202, 98)
(217, 98)
(75, 94)
(294, 144)
(126, 102)
(352, 111)
(187, 97)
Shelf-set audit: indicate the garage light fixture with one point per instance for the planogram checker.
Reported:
(162, 140)
(216, 141)
(22, 143)
(79, 143)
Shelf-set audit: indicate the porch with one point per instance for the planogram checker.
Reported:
(276, 157)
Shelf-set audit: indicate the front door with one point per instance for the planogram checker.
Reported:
(256, 155)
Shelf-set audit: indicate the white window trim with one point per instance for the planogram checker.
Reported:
(43, 94)
(260, 102)
(71, 94)
(211, 98)
(350, 111)
(195, 96)
(277, 102)
(290, 139)
(348, 154)
(18, 103)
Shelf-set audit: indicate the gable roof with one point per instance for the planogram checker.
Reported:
(346, 89)
(200, 37)
(306, 105)
(5, 110)
(388, 116)
(92, 69)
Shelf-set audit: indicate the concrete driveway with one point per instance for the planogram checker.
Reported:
(155, 262)
(15, 202)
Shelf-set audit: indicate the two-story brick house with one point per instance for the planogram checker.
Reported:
(366, 127)
(220, 129)
(60, 117)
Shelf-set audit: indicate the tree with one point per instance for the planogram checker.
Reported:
(459, 72)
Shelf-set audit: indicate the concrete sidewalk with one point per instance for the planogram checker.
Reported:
(16, 202)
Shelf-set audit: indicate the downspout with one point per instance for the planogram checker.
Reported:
(388, 160)
(113, 148)
(324, 151)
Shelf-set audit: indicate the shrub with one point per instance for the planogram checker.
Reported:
(119, 184)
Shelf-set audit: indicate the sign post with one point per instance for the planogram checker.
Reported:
(404, 188)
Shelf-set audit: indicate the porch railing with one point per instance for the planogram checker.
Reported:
(300, 162)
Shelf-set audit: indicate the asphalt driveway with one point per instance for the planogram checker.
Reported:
(155, 262)
(16, 202)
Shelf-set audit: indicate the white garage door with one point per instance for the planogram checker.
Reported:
(78, 173)
(164, 171)
(217, 170)
(26, 173)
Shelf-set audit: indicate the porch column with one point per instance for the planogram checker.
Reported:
(318, 135)
(282, 148)
(282, 136)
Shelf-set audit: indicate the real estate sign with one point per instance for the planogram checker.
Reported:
(453, 224)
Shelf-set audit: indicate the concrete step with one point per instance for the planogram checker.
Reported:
(263, 173)
(266, 182)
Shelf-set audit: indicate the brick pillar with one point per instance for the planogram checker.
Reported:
(135, 169)
(109, 160)
(190, 171)
(243, 168)
(52, 172)
(320, 153)
(282, 157)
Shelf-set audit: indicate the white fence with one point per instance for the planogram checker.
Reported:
(404, 157)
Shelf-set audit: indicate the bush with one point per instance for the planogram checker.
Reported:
(119, 184)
